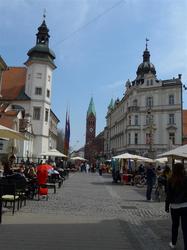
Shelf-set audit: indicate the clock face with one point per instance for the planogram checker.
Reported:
(91, 130)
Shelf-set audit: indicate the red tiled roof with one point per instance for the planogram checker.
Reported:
(7, 121)
(13, 81)
(7, 118)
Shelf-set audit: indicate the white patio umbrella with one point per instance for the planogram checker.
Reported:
(78, 158)
(8, 133)
(144, 159)
(179, 152)
(127, 156)
(161, 160)
(133, 157)
(54, 152)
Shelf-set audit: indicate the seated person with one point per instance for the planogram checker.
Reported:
(31, 173)
(7, 168)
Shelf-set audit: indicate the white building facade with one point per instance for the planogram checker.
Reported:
(148, 119)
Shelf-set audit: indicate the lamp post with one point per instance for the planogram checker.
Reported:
(150, 123)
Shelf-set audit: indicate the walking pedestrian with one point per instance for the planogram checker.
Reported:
(151, 176)
(176, 201)
(87, 168)
(101, 168)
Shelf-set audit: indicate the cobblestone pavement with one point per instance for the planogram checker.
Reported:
(89, 212)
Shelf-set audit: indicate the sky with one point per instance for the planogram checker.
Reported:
(98, 45)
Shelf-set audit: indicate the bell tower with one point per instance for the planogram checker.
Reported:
(90, 131)
(40, 65)
(90, 122)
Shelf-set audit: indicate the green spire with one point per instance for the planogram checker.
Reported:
(91, 108)
(111, 105)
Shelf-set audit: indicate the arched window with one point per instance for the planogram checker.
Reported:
(149, 101)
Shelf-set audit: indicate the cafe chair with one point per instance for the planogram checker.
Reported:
(9, 195)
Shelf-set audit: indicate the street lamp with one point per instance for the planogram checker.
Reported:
(150, 123)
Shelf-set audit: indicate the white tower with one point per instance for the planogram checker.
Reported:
(40, 66)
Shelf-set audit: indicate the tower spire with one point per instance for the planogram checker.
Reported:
(91, 108)
(146, 43)
(41, 50)
(146, 66)
(42, 37)
(44, 14)
(146, 54)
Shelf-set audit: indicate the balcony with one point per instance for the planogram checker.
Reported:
(133, 127)
(133, 109)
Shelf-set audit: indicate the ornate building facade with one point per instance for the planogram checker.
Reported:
(148, 119)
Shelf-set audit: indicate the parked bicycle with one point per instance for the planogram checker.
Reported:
(160, 190)
(139, 180)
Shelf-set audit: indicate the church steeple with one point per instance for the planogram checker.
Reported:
(41, 51)
(91, 108)
(90, 122)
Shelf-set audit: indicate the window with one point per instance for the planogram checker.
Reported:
(147, 138)
(147, 82)
(135, 103)
(36, 113)
(49, 78)
(136, 138)
(171, 99)
(29, 76)
(1, 144)
(48, 93)
(171, 119)
(149, 119)
(46, 115)
(129, 119)
(136, 120)
(149, 101)
(151, 82)
(129, 138)
(39, 75)
(38, 91)
(172, 138)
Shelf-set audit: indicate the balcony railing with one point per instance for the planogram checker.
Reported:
(133, 109)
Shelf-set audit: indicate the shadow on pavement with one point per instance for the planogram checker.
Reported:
(103, 235)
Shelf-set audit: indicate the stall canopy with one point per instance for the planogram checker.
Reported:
(145, 159)
(132, 157)
(161, 160)
(10, 134)
(54, 152)
(78, 158)
(179, 152)
(126, 156)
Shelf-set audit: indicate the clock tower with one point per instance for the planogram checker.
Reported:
(90, 130)
(90, 122)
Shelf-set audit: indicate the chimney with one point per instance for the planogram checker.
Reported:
(180, 76)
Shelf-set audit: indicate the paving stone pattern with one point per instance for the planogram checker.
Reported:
(89, 212)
